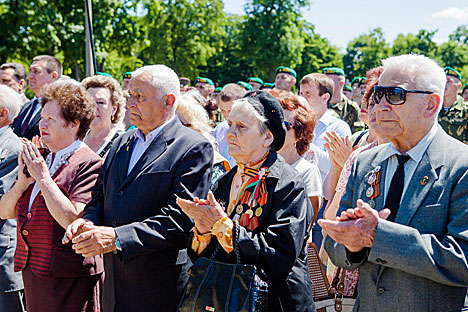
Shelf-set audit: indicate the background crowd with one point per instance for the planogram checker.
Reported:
(110, 193)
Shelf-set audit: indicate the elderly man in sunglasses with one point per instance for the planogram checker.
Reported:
(403, 220)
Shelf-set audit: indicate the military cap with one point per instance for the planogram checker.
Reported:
(333, 71)
(356, 80)
(205, 80)
(245, 85)
(217, 90)
(267, 85)
(104, 74)
(464, 87)
(255, 79)
(348, 87)
(449, 71)
(286, 70)
(127, 75)
(362, 81)
(269, 107)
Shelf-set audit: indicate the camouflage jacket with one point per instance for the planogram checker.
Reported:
(455, 120)
(349, 111)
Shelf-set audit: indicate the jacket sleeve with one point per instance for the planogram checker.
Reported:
(169, 230)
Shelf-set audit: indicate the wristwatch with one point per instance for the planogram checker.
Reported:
(118, 248)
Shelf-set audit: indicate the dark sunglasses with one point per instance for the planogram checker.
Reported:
(288, 125)
(393, 95)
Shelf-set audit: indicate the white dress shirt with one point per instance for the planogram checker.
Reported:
(36, 110)
(219, 133)
(416, 154)
(142, 143)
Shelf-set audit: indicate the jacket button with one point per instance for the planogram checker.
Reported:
(25, 232)
(121, 193)
(29, 215)
(380, 290)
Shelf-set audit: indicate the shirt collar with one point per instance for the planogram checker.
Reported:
(153, 134)
(75, 145)
(417, 152)
(326, 118)
(3, 129)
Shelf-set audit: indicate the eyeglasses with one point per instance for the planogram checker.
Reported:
(288, 125)
(393, 95)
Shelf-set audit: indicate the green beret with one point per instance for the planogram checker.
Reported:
(363, 81)
(356, 80)
(348, 88)
(127, 75)
(286, 70)
(245, 85)
(449, 71)
(465, 87)
(333, 71)
(205, 80)
(104, 74)
(217, 90)
(267, 85)
(255, 79)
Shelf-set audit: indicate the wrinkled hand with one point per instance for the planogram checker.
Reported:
(204, 212)
(38, 142)
(23, 182)
(338, 148)
(75, 228)
(34, 161)
(355, 228)
(95, 240)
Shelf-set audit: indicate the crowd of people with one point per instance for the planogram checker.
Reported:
(109, 193)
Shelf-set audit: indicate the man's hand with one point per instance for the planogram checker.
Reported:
(75, 228)
(355, 228)
(96, 240)
(204, 212)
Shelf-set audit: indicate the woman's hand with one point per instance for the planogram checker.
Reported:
(205, 212)
(38, 142)
(23, 181)
(34, 161)
(338, 148)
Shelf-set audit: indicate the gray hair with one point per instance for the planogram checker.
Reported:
(11, 100)
(164, 79)
(256, 111)
(424, 73)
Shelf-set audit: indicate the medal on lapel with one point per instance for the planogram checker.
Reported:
(373, 190)
(255, 198)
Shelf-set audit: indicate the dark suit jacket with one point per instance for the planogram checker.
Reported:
(9, 280)
(278, 245)
(150, 273)
(33, 127)
(419, 262)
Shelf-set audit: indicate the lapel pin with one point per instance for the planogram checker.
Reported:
(424, 180)
(372, 203)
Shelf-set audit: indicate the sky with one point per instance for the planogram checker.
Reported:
(340, 21)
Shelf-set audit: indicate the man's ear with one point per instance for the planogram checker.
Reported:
(55, 75)
(170, 100)
(22, 84)
(326, 97)
(3, 114)
(433, 101)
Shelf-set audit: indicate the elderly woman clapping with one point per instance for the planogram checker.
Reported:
(273, 221)
(50, 193)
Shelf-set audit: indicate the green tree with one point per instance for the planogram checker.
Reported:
(421, 43)
(180, 33)
(453, 54)
(365, 52)
(460, 34)
(271, 34)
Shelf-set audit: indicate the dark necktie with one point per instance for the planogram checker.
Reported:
(26, 121)
(396, 187)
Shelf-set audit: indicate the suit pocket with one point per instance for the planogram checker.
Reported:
(5, 241)
(430, 210)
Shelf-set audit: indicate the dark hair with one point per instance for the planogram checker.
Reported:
(304, 121)
(51, 64)
(75, 104)
(372, 80)
(19, 71)
(324, 83)
(232, 92)
(117, 97)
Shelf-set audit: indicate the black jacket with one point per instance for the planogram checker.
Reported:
(33, 127)
(278, 245)
(150, 273)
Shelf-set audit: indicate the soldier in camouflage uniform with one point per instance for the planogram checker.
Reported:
(454, 114)
(347, 109)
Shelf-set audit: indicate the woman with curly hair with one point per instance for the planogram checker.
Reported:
(110, 103)
(51, 191)
(300, 123)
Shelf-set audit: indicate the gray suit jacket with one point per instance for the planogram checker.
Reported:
(10, 145)
(419, 262)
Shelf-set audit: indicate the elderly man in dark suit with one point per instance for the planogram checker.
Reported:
(44, 70)
(408, 232)
(11, 283)
(133, 218)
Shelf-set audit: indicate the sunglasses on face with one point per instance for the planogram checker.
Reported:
(393, 95)
(288, 125)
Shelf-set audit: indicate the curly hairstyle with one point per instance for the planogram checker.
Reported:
(117, 96)
(304, 121)
(372, 80)
(75, 104)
